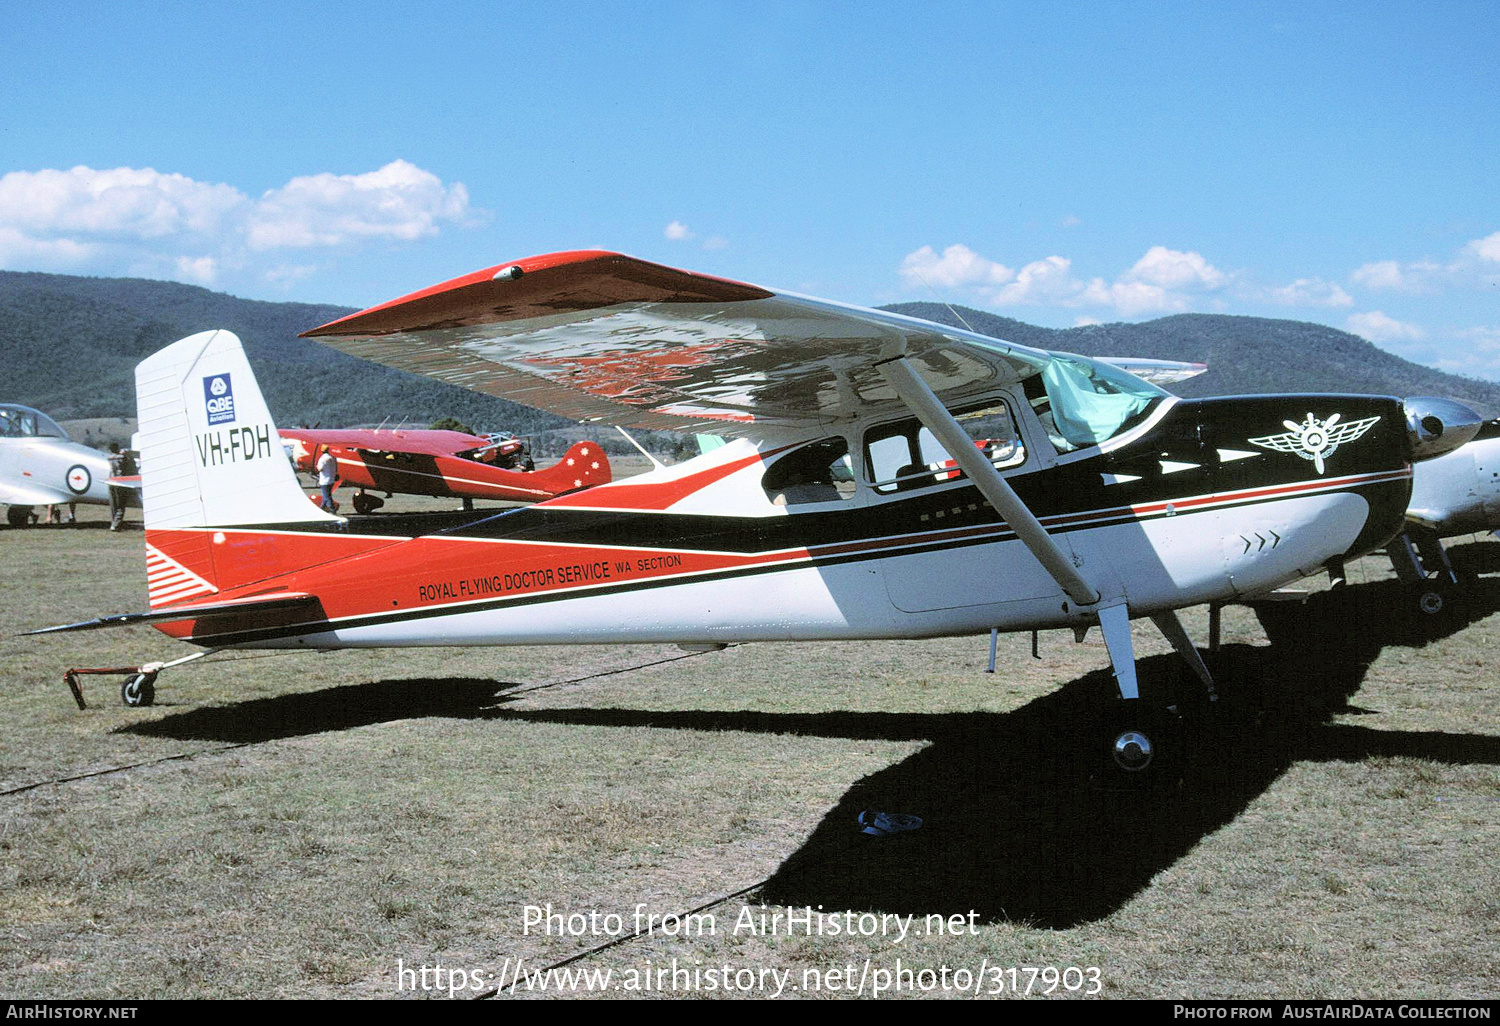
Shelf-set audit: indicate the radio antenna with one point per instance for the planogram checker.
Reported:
(940, 299)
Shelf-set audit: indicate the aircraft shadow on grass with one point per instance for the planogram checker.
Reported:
(1016, 823)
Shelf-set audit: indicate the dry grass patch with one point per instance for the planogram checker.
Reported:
(1333, 838)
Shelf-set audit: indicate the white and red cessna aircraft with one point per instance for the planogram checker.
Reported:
(886, 478)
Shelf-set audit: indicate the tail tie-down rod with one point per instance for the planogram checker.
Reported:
(147, 671)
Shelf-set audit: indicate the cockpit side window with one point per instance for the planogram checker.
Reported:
(905, 455)
(820, 472)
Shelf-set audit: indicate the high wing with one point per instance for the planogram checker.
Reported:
(606, 338)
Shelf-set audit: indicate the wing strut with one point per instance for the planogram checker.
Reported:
(936, 418)
(1114, 617)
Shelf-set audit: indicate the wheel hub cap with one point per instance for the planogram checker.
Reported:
(1133, 751)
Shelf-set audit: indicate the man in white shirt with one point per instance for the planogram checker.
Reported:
(328, 476)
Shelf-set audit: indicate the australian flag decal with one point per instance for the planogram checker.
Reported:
(218, 399)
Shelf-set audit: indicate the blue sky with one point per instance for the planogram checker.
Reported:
(1055, 162)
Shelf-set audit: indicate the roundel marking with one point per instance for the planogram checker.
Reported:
(79, 479)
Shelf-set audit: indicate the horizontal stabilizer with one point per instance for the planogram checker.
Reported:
(257, 604)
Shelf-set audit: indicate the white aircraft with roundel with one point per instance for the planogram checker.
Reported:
(884, 477)
(41, 466)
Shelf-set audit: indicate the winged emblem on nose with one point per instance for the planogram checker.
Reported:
(1313, 439)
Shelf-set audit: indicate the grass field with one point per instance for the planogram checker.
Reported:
(309, 825)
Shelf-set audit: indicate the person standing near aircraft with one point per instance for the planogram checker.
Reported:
(328, 477)
(121, 464)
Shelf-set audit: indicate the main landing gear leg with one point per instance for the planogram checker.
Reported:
(1172, 629)
(1420, 560)
(1142, 743)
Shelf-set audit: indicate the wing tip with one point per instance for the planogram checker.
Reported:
(570, 280)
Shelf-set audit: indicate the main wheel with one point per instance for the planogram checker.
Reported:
(18, 516)
(1132, 751)
(366, 503)
(1441, 605)
(1143, 747)
(138, 690)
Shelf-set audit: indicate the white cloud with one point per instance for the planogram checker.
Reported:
(1472, 266)
(19, 250)
(1476, 354)
(1134, 298)
(1165, 280)
(1382, 274)
(142, 221)
(1392, 276)
(1377, 327)
(1042, 282)
(204, 269)
(1162, 281)
(1173, 269)
(1487, 248)
(679, 232)
(1310, 292)
(1486, 337)
(286, 274)
(958, 266)
(120, 204)
(399, 201)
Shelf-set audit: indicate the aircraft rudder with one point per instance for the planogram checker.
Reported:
(583, 465)
(211, 455)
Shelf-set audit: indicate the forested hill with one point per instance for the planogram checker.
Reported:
(1244, 354)
(70, 346)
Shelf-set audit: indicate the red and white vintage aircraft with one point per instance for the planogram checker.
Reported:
(443, 463)
(1083, 495)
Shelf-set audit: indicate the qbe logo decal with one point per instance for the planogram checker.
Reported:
(218, 399)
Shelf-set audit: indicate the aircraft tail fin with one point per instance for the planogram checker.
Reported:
(210, 457)
(583, 465)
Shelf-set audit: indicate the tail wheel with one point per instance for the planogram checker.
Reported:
(138, 690)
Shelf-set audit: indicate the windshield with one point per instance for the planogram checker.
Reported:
(1091, 402)
(22, 422)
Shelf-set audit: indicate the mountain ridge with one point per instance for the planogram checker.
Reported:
(1244, 354)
